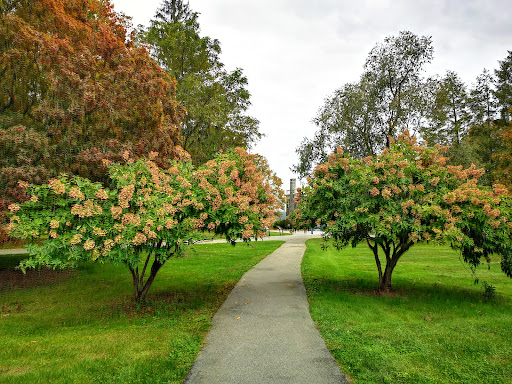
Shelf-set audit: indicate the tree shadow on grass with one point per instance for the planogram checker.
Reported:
(401, 289)
(197, 298)
(15, 279)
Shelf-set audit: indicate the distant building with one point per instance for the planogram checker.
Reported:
(290, 197)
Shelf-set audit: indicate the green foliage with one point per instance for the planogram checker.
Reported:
(434, 328)
(216, 100)
(448, 116)
(407, 195)
(148, 213)
(489, 291)
(482, 100)
(362, 116)
(392, 96)
(503, 90)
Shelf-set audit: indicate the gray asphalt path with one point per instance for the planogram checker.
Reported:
(263, 333)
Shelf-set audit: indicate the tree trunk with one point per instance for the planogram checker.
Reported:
(393, 253)
(375, 249)
(140, 286)
(144, 290)
(385, 280)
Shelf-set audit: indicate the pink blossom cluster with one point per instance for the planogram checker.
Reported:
(76, 239)
(139, 239)
(101, 194)
(386, 193)
(396, 190)
(116, 211)
(88, 209)
(13, 207)
(57, 186)
(407, 204)
(76, 193)
(125, 196)
(89, 244)
(108, 244)
(23, 184)
(99, 232)
(130, 219)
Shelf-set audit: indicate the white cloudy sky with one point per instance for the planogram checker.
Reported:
(296, 52)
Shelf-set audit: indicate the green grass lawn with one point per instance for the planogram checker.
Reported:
(83, 326)
(213, 236)
(435, 327)
(277, 233)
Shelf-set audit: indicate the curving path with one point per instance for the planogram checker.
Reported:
(263, 333)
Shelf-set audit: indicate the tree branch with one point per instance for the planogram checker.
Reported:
(144, 269)
(135, 280)
(375, 250)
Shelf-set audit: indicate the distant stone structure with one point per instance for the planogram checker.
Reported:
(290, 198)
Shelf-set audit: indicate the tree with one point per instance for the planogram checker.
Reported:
(503, 157)
(482, 102)
(76, 90)
(395, 68)
(480, 147)
(387, 99)
(148, 214)
(448, 119)
(216, 100)
(405, 195)
(503, 90)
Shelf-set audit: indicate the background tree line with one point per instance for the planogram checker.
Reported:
(392, 95)
(78, 85)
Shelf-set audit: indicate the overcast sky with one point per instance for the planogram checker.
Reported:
(296, 52)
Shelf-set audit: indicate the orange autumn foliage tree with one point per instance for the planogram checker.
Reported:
(74, 89)
(406, 195)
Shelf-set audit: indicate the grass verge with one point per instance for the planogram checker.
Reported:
(213, 236)
(436, 327)
(83, 326)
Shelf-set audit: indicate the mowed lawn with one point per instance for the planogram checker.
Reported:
(436, 327)
(83, 326)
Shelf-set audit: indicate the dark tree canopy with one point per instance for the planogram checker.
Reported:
(504, 87)
(448, 117)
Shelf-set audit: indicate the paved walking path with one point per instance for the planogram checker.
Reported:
(263, 332)
(15, 251)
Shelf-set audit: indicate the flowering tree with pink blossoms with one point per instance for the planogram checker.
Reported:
(147, 214)
(403, 196)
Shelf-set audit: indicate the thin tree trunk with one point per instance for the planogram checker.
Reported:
(375, 250)
(140, 286)
(154, 270)
(135, 277)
